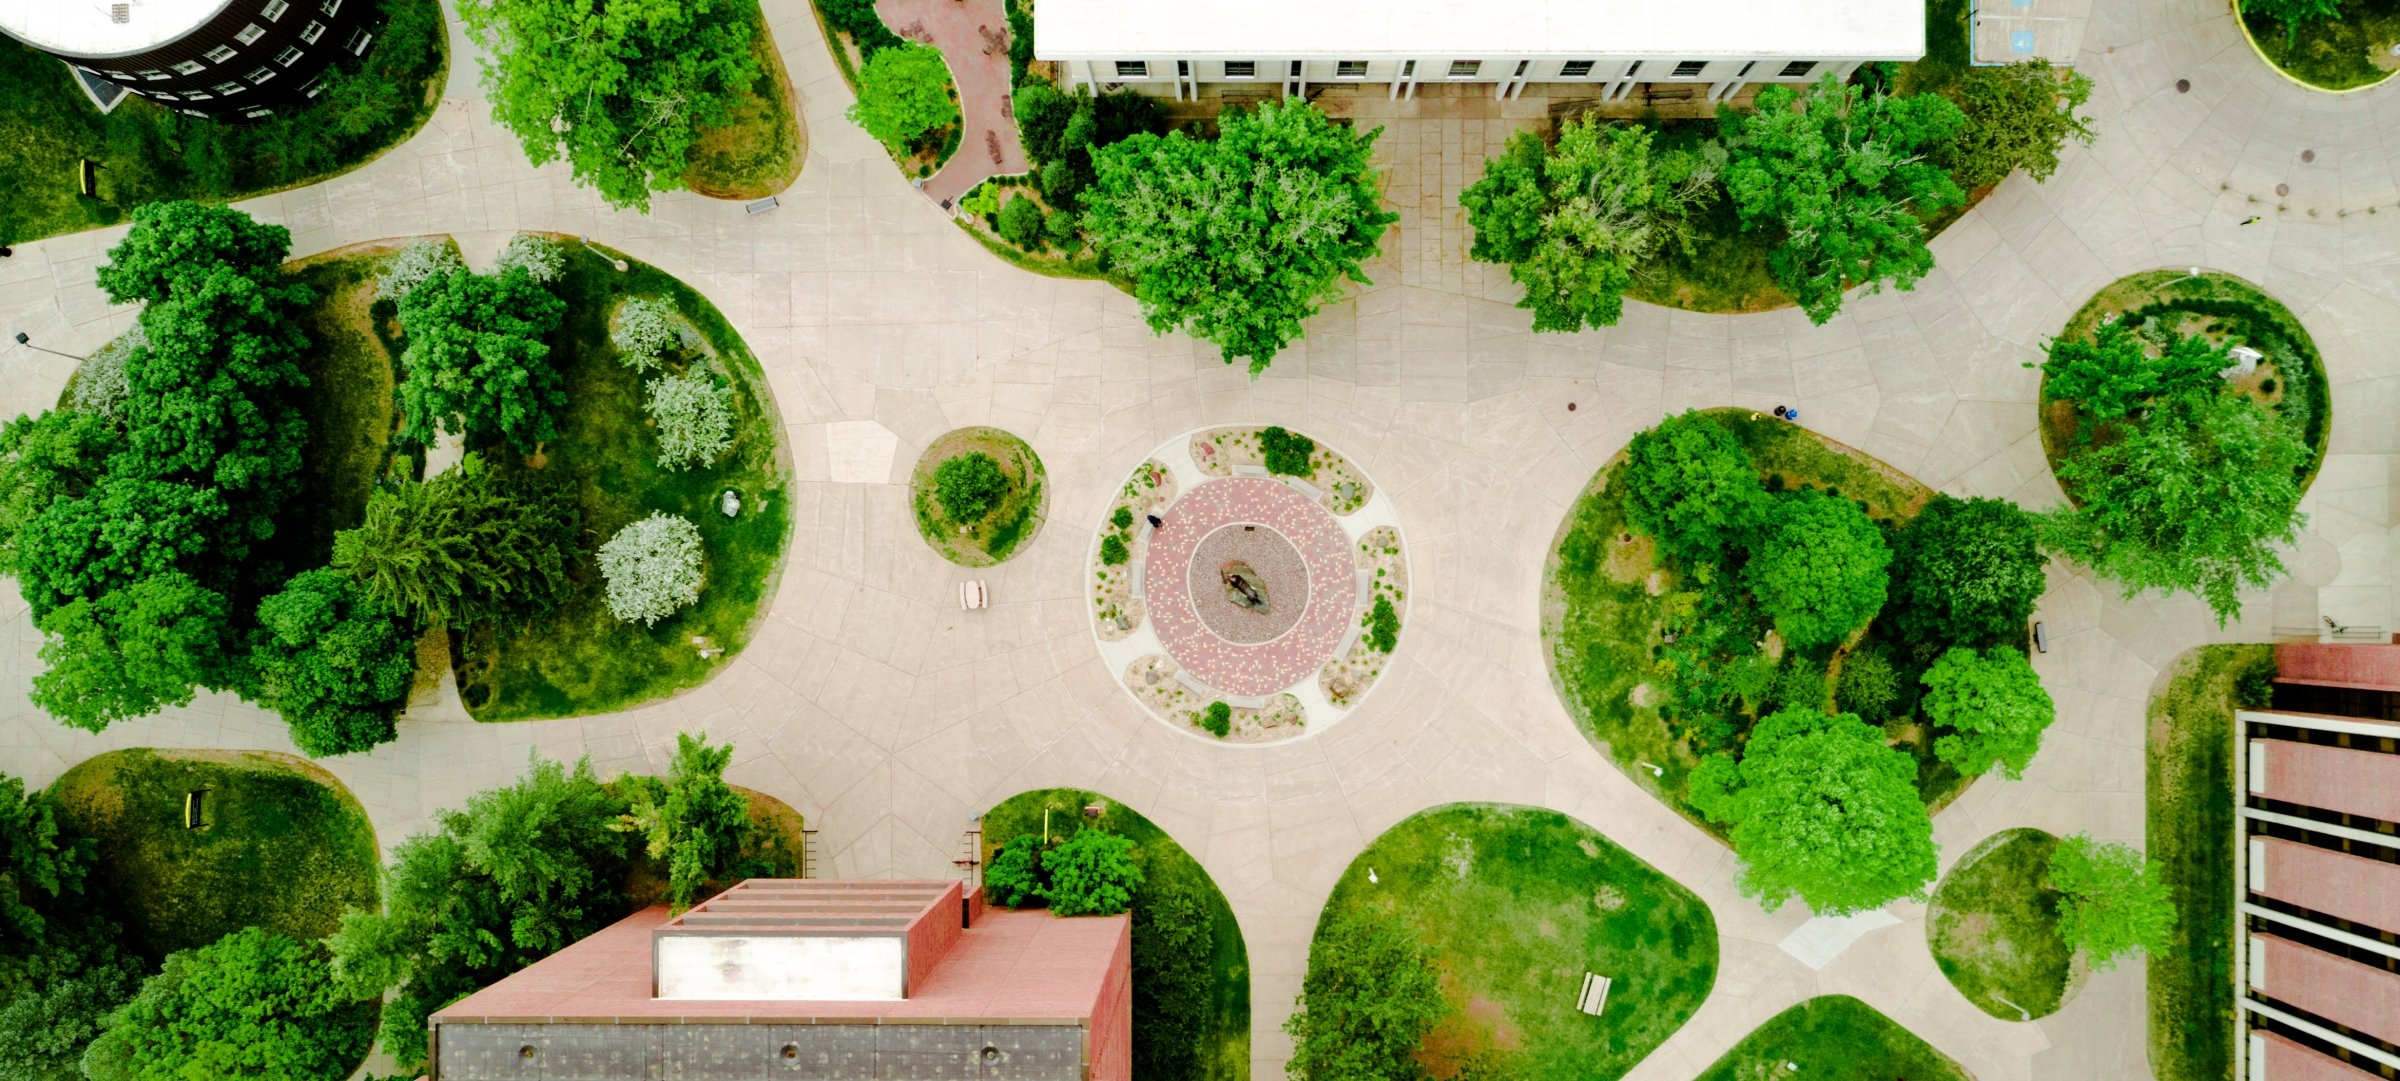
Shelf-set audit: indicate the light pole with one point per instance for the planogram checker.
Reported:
(621, 265)
(28, 343)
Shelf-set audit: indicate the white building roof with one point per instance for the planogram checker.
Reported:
(1370, 29)
(89, 28)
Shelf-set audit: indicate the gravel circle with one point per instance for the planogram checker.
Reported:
(1281, 573)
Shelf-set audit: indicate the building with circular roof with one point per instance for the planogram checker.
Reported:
(229, 58)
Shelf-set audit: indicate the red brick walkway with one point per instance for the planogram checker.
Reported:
(963, 30)
(1268, 667)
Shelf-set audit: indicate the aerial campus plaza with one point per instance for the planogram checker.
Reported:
(1104, 539)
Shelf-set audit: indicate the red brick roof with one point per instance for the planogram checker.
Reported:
(2288, 1061)
(2335, 988)
(2334, 778)
(2326, 664)
(2351, 887)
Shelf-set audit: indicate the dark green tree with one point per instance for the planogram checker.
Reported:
(55, 998)
(41, 864)
(477, 363)
(335, 662)
(968, 486)
(1966, 572)
(1287, 453)
(252, 1005)
(1238, 239)
(1368, 999)
(133, 651)
(1689, 483)
(464, 547)
(2116, 902)
(174, 241)
(2019, 116)
(1820, 569)
(45, 457)
(691, 820)
(1821, 809)
(904, 92)
(1093, 873)
(620, 90)
(2115, 374)
(1013, 878)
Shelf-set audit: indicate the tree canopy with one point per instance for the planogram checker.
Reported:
(1966, 572)
(2018, 116)
(1369, 997)
(1821, 809)
(1690, 484)
(254, 1004)
(620, 90)
(1091, 873)
(1843, 173)
(904, 92)
(691, 820)
(477, 363)
(1238, 239)
(1820, 568)
(133, 652)
(2114, 374)
(463, 546)
(1991, 708)
(2116, 901)
(336, 662)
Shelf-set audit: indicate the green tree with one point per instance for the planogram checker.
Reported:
(2193, 499)
(1217, 718)
(1821, 809)
(692, 820)
(1689, 483)
(41, 864)
(1868, 687)
(173, 242)
(252, 1005)
(2116, 902)
(1287, 453)
(2293, 14)
(1113, 551)
(1238, 239)
(1014, 876)
(1383, 625)
(2018, 116)
(1966, 572)
(461, 548)
(55, 998)
(1821, 568)
(621, 90)
(132, 652)
(1093, 872)
(1020, 222)
(968, 486)
(45, 457)
(1173, 951)
(904, 92)
(477, 363)
(1574, 221)
(335, 662)
(1842, 173)
(1993, 707)
(2114, 375)
(522, 871)
(1370, 995)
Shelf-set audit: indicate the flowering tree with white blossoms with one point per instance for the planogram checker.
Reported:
(652, 568)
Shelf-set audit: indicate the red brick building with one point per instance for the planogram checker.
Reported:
(795, 978)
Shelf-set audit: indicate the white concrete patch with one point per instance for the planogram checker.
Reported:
(860, 451)
(830, 968)
(1817, 942)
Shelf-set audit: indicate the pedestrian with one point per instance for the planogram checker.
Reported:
(1779, 412)
(2252, 221)
(6, 251)
(1792, 415)
(1155, 522)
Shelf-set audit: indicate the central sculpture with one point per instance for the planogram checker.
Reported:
(1242, 587)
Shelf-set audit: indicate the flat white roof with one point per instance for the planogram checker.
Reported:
(88, 28)
(1372, 29)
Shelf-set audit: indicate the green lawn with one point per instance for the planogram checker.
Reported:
(1517, 904)
(760, 151)
(1833, 1038)
(2190, 834)
(287, 848)
(1993, 927)
(348, 403)
(2350, 50)
(1606, 595)
(1217, 1046)
(148, 153)
(580, 659)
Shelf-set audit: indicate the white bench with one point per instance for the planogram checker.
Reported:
(1594, 997)
(1246, 703)
(1140, 568)
(1245, 469)
(1349, 638)
(1366, 589)
(1303, 487)
(1185, 677)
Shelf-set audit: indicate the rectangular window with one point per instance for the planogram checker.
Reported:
(153, 73)
(315, 86)
(191, 67)
(312, 32)
(164, 95)
(220, 54)
(197, 95)
(1465, 69)
(260, 76)
(274, 10)
(1408, 70)
(1241, 69)
(254, 114)
(332, 7)
(1576, 69)
(359, 40)
(1133, 69)
(1349, 69)
(1183, 69)
(227, 88)
(1633, 69)
(250, 33)
(111, 74)
(1689, 69)
(289, 56)
(1798, 68)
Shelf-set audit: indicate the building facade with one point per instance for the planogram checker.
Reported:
(1608, 47)
(2318, 858)
(237, 59)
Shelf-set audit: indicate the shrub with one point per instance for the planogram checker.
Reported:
(1021, 223)
(1689, 484)
(100, 386)
(460, 548)
(969, 486)
(1287, 453)
(857, 18)
(1383, 625)
(904, 92)
(1217, 719)
(1868, 687)
(653, 568)
(1014, 876)
(540, 257)
(1966, 572)
(1799, 685)
(1370, 996)
(252, 1005)
(644, 332)
(2116, 901)
(420, 260)
(2018, 117)
(694, 412)
(1091, 873)
(1994, 707)
(478, 361)
(1820, 570)
(693, 821)
(335, 662)
(1122, 519)
(1113, 551)
(1062, 230)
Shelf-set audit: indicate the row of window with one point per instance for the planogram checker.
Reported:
(272, 12)
(1460, 69)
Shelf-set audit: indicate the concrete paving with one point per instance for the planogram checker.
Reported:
(874, 705)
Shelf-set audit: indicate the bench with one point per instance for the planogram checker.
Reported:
(1246, 703)
(1247, 470)
(761, 206)
(1594, 997)
(1193, 682)
(1139, 578)
(1303, 487)
(1366, 589)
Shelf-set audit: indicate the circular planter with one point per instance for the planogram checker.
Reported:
(1008, 526)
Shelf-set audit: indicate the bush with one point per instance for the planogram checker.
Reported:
(1014, 876)
(1383, 625)
(652, 567)
(1113, 551)
(335, 662)
(1868, 687)
(969, 486)
(1020, 41)
(2018, 117)
(1966, 572)
(1689, 484)
(478, 361)
(420, 260)
(252, 1005)
(541, 258)
(464, 547)
(1800, 685)
(857, 18)
(694, 413)
(1287, 453)
(1993, 706)
(693, 821)
(645, 332)
(1122, 519)
(904, 92)
(1063, 232)
(1370, 996)
(1820, 570)
(1091, 873)
(1021, 223)
(2116, 902)
(1217, 719)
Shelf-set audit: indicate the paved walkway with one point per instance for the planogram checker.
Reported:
(888, 716)
(973, 37)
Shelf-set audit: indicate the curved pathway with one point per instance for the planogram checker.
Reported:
(889, 717)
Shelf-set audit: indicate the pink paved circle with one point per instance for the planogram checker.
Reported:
(1267, 667)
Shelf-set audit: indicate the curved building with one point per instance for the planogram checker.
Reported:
(226, 58)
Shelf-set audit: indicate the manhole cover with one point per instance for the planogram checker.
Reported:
(2308, 155)
(2183, 86)
(2283, 189)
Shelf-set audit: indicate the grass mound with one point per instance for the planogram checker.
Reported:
(1833, 1038)
(1993, 928)
(1008, 525)
(1217, 1046)
(760, 150)
(284, 845)
(1517, 904)
(581, 659)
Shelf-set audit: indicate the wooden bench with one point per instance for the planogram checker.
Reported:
(1594, 997)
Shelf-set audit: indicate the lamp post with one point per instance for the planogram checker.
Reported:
(28, 343)
(621, 265)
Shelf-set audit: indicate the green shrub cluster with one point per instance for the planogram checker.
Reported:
(1217, 719)
(1287, 453)
(1091, 872)
(1113, 551)
(1383, 625)
(969, 486)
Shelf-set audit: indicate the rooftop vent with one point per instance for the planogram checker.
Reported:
(120, 13)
